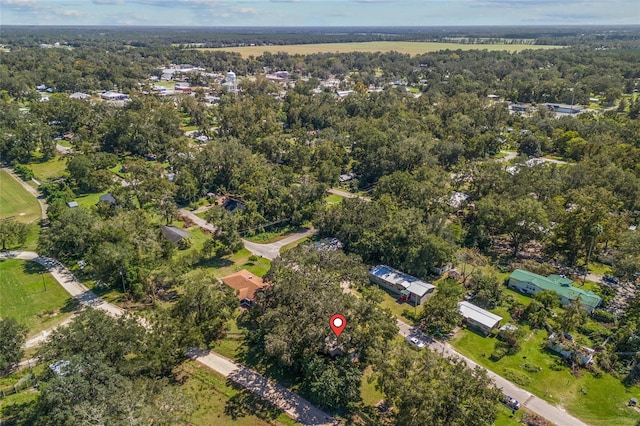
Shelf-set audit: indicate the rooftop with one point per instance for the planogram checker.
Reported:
(479, 315)
(245, 282)
(410, 283)
(559, 284)
(173, 234)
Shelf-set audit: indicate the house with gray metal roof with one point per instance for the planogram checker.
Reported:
(529, 283)
(415, 290)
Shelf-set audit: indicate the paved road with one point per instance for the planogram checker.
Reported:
(346, 194)
(510, 156)
(272, 250)
(269, 251)
(550, 412)
(44, 334)
(63, 150)
(68, 281)
(292, 404)
(197, 220)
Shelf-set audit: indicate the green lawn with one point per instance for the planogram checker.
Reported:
(218, 402)
(333, 199)
(275, 234)
(24, 297)
(89, 200)
(597, 401)
(293, 244)
(16, 202)
(54, 168)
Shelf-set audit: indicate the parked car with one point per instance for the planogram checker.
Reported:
(511, 402)
(415, 341)
(610, 279)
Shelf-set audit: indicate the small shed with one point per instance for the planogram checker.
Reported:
(72, 204)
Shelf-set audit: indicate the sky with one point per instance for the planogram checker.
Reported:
(319, 12)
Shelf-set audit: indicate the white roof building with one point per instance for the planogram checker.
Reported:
(79, 95)
(477, 317)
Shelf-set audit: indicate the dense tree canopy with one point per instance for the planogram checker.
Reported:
(292, 324)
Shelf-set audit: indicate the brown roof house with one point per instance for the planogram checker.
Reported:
(246, 284)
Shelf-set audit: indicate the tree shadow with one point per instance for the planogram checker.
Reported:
(246, 403)
(31, 268)
(215, 262)
(71, 305)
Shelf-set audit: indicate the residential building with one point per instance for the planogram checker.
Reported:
(478, 318)
(529, 283)
(582, 354)
(79, 96)
(404, 285)
(564, 108)
(233, 205)
(246, 285)
(520, 107)
(114, 96)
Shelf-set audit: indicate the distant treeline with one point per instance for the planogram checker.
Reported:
(225, 37)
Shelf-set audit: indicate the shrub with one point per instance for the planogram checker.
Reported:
(529, 368)
(409, 314)
(23, 171)
(185, 243)
(253, 258)
(516, 377)
(603, 316)
(498, 353)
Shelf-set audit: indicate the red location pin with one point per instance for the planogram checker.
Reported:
(337, 324)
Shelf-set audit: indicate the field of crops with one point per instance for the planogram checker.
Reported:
(412, 48)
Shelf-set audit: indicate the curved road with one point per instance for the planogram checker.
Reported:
(272, 250)
(269, 251)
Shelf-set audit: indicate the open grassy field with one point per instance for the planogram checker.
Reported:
(597, 401)
(15, 201)
(34, 299)
(410, 47)
(54, 168)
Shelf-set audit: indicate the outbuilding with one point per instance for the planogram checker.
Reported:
(478, 318)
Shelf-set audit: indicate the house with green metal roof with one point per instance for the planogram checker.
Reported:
(529, 283)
